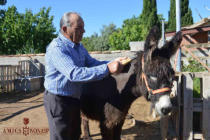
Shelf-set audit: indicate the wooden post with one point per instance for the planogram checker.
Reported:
(1, 79)
(164, 127)
(187, 107)
(206, 107)
(6, 80)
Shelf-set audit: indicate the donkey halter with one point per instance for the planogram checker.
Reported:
(151, 91)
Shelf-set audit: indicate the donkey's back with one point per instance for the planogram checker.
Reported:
(106, 96)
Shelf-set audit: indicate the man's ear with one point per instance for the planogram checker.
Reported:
(64, 29)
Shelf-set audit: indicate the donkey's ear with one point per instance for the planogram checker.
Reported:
(171, 47)
(151, 42)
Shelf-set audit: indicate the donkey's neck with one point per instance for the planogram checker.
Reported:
(126, 85)
(129, 93)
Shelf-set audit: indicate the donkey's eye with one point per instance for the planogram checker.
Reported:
(153, 78)
(172, 78)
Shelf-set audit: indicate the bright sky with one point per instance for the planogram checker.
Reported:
(97, 13)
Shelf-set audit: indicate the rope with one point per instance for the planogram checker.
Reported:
(147, 85)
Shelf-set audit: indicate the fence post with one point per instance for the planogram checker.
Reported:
(2, 78)
(206, 107)
(188, 107)
(179, 105)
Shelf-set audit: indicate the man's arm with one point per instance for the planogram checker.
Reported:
(90, 61)
(65, 65)
(114, 66)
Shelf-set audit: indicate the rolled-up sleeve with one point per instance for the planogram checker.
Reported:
(64, 63)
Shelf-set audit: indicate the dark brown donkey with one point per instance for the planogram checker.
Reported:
(150, 74)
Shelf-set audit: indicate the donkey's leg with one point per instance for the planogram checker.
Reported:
(85, 128)
(117, 131)
(106, 133)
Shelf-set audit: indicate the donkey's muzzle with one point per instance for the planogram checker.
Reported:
(166, 110)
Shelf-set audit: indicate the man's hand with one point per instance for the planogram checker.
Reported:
(116, 66)
(121, 59)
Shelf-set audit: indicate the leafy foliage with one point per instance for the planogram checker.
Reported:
(3, 2)
(149, 16)
(186, 13)
(25, 33)
(99, 43)
(132, 30)
(136, 28)
(172, 16)
(104, 38)
(194, 66)
(90, 42)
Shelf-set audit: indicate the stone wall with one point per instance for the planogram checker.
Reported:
(107, 55)
(38, 60)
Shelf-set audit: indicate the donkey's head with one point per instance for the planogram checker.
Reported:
(155, 73)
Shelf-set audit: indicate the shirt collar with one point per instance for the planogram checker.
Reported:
(67, 41)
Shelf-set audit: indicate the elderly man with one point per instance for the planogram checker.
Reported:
(68, 66)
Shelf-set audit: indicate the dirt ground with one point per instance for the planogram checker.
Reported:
(22, 117)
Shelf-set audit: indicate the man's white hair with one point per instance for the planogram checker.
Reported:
(66, 19)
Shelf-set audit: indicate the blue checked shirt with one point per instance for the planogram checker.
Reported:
(68, 66)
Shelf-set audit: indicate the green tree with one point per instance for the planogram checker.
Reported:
(186, 15)
(86, 41)
(103, 40)
(3, 2)
(194, 66)
(136, 28)
(99, 43)
(25, 33)
(172, 16)
(149, 16)
(44, 29)
(2, 15)
(91, 42)
(131, 31)
(10, 31)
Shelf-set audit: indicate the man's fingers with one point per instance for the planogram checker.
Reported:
(125, 61)
(121, 58)
(117, 65)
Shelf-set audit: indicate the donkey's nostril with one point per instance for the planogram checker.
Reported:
(166, 110)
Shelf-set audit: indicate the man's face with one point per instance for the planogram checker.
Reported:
(76, 30)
